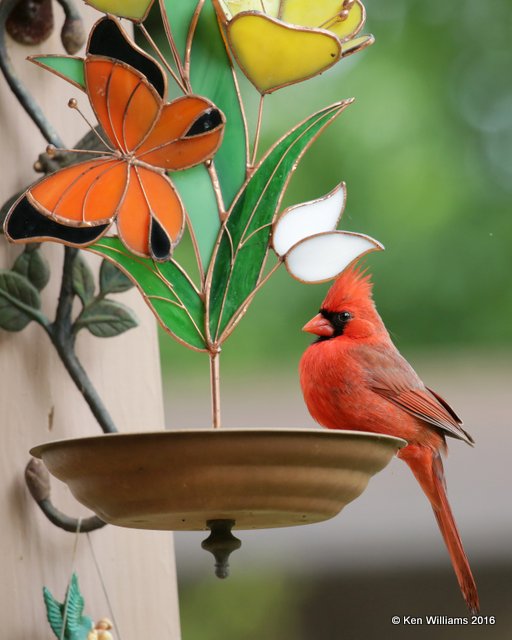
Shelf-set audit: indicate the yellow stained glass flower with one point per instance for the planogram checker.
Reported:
(136, 10)
(281, 42)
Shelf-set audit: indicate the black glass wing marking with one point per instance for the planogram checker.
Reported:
(108, 39)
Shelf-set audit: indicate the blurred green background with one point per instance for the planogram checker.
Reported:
(426, 152)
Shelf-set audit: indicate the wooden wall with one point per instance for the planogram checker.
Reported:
(38, 403)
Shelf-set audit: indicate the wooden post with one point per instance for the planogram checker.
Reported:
(40, 403)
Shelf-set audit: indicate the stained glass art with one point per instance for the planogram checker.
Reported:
(145, 137)
(305, 237)
(165, 168)
(281, 42)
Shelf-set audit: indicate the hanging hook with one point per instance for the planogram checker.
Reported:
(38, 483)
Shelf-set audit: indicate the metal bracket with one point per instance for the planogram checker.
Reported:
(38, 483)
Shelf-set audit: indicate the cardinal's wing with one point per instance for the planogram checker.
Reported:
(393, 378)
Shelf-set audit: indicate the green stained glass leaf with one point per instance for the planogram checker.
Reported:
(112, 279)
(179, 14)
(240, 258)
(165, 287)
(106, 318)
(18, 298)
(67, 67)
(83, 280)
(212, 76)
(34, 267)
(196, 191)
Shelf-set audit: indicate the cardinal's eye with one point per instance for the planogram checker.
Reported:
(343, 317)
(338, 320)
(209, 120)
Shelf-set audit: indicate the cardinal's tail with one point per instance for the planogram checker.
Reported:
(427, 466)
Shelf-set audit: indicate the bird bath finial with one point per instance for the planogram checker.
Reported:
(221, 543)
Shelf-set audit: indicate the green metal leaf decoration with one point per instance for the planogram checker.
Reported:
(112, 279)
(77, 626)
(240, 256)
(83, 280)
(196, 191)
(106, 318)
(68, 68)
(19, 301)
(167, 290)
(34, 266)
(212, 76)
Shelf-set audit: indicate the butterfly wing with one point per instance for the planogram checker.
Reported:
(124, 102)
(78, 203)
(109, 40)
(75, 205)
(84, 194)
(188, 131)
(151, 219)
(26, 224)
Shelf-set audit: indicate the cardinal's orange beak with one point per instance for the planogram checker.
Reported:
(320, 326)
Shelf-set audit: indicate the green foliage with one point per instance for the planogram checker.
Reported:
(18, 301)
(112, 279)
(34, 266)
(83, 280)
(106, 318)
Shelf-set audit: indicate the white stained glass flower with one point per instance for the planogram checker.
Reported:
(305, 236)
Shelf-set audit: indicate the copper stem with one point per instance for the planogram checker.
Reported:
(153, 44)
(215, 387)
(214, 178)
(258, 131)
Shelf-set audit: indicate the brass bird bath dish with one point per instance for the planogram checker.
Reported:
(218, 479)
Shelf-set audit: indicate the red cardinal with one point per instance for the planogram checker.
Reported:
(353, 377)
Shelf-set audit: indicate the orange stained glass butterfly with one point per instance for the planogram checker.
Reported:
(129, 183)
